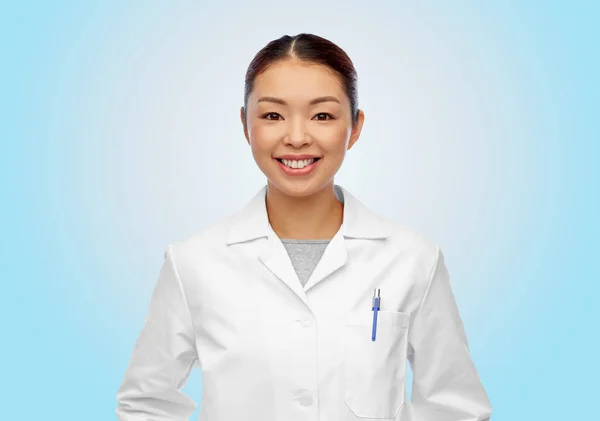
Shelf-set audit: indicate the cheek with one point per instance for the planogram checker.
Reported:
(262, 144)
(262, 138)
(335, 140)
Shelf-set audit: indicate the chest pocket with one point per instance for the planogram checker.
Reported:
(375, 371)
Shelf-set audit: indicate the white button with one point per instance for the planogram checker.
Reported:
(305, 400)
(306, 322)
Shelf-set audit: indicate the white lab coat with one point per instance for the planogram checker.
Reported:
(228, 301)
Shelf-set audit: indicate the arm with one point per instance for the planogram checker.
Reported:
(446, 385)
(163, 356)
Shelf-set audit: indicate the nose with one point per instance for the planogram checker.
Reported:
(296, 135)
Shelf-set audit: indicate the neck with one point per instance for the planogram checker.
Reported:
(318, 216)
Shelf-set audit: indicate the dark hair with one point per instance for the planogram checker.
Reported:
(308, 48)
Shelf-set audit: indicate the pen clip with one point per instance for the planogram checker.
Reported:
(376, 294)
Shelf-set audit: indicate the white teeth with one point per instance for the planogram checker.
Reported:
(298, 164)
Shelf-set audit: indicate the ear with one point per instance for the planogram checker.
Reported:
(356, 129)
(244, 125)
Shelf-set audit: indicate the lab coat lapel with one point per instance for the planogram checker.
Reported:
(275, 258)
(358, 223)
(252, 223)
(334, 257)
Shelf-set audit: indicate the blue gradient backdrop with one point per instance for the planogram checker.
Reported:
(120, 134)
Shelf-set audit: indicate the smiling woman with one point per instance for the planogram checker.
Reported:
(274, 302)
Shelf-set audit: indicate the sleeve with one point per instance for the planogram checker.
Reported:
(163, 356)
(446, 384)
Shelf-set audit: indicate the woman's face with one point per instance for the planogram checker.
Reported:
(299, 126)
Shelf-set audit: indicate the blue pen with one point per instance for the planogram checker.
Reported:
(376, 306)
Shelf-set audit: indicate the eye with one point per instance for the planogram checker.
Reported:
(324, 116)
(271, 116)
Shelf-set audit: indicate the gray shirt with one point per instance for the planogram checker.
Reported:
(305, 254)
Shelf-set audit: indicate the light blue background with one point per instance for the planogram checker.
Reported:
(120, 134)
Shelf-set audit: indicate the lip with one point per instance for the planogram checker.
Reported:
(298, 157)
(297, 171)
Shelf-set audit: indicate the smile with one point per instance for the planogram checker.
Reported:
(297, 167)
(297, 164)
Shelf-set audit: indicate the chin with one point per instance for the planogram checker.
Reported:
(297, 188)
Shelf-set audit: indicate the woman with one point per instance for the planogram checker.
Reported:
(304, 305)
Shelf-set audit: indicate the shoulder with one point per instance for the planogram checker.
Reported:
(206, 241)
(400, 238)
(408, 237)
(410, 243)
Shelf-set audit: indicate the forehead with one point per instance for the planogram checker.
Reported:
(295, 80)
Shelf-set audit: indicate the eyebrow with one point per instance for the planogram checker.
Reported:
(312, 102)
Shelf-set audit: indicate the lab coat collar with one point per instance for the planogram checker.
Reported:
(358, 221)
